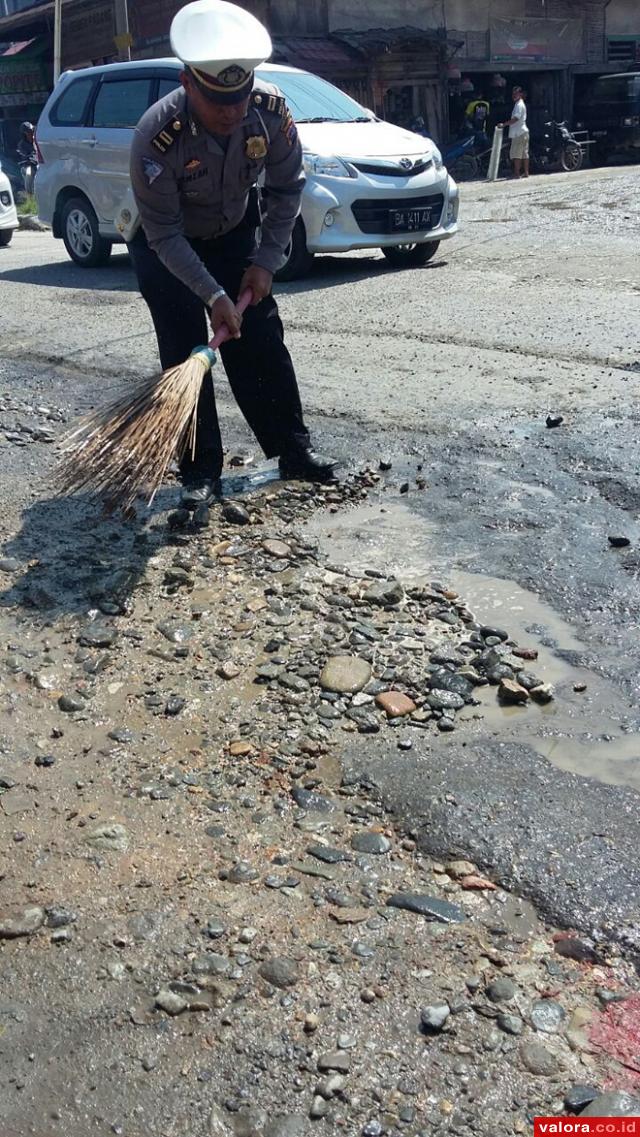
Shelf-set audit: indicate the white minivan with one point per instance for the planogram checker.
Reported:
(369, 184)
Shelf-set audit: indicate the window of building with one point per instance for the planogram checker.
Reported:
(121, 103)
(70, 107)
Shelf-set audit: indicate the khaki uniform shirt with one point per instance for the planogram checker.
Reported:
(186, 185)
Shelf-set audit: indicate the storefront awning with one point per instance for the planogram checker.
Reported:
(378, 41)
(315, 53)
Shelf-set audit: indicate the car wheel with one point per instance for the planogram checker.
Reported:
(299, 259)
(5, 237)
(81, 234)
(411, 256)
(571, 157)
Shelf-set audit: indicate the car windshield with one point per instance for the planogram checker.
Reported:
(311, 99)
(617, 89)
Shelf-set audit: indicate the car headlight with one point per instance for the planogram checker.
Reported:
(437, 158)
(323, 166)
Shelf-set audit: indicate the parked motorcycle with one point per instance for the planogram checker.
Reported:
(461, 159)
(28, 174)
(556, 149)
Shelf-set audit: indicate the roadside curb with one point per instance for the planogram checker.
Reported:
(33, 224)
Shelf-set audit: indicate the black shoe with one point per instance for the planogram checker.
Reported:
(307, 465)
(196, 493)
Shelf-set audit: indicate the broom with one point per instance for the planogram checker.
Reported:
(124, 449)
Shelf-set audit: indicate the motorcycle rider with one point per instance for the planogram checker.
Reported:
(27, 145)
(27, 155)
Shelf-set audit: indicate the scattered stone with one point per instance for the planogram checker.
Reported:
(576, 1033)
(121, 734)
(547, 1016)
(345, 674)
(385, 464)
(311, 1023)
(395, 704)
(240, 748)
(370, 841)
(434, 1017)
(579, 687)
(171, 1003)
(21, 923)
(578, 1097)
(329, 855)
(554, 420)
(319, 1108)
(384, 593)
(280, 971)
(235, 513)
(9, 564)
(174, 705)
(538, 1060)
(502, 990)
(458, 869)
(45, 760)
(510, 1024)
(71, 703)
(615, 1103)
(228, 670)
(242, 873)
(311, 801)
(338, 1060)
(58, 917)
(428, 906)
(98, 636)
(572, 947)
(511, 692)
(542, 693)
(619, 542)
(527, 653)
(278, 549)
(473, 882)
(110, 838)
(333, 1084)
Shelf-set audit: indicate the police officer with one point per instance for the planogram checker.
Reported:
(195, 160)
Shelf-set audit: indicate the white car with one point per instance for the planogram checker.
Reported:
(8, 214)
(369, 184)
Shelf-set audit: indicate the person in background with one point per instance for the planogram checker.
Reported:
(519, 134)
(26, 147)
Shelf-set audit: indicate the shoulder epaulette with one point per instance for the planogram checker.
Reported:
(167, 136)
(266, 102)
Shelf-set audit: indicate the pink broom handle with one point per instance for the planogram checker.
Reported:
(222, 334)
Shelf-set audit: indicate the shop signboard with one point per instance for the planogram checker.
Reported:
(537, 41)
(22, 81)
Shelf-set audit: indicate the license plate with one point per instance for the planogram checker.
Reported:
(410, 220)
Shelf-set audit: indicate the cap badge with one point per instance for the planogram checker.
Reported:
(256, 147)
(232, 76)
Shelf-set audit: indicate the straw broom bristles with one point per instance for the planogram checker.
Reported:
(125, 448)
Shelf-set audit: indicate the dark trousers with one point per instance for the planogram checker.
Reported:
(258, 366)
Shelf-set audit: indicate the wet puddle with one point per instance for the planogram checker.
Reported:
(576, 732)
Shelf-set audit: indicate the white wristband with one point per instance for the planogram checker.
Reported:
(216, 296)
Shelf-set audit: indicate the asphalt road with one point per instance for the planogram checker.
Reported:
(532, 310)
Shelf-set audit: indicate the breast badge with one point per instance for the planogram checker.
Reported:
(256, 147)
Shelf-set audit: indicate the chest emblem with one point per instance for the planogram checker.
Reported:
(152, 170)
(256, 147)
(193, 164)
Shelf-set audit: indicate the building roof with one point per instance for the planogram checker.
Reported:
(312, 53)
(377, 41)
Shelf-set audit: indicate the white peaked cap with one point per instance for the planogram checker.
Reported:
(215, 37)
